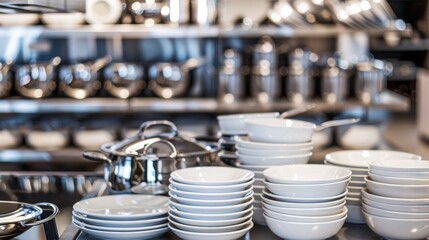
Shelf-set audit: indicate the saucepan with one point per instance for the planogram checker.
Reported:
(124, 80)
(5, 78)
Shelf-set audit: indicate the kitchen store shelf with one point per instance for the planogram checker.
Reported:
(25, 155)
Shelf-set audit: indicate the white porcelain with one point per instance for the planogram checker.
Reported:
(210, 203)
(235, 124)
(126, 206)
(118, 229)
(325, 211)
(120, 223)
(283, 204)
(103, 11)
(353, 195)
(353, 189)
(358, 178)
(393, 228)
(357, 183)
(19, 19)
(273, 160)
(355, 214)
(306, 174)
(257, 197)
(258, 189)
(393, 214)
(300, 230)
(397, 207)
(397, 180)
(258, 216)
(353, 201)
(212, 229)
(257, 168)
(245, 142)
(258, 182)
(397, 191)
(211, 236)
(303, 200)
(420, 175)
(400, 165)
(71, 19)
(210, 196)
(269, 152)
(355, 171)
(210, 223)
(398, 201)
(210, 209)
(211, 189)
(258, 174)
(211, 216)
(257, 203)
(306, 219)
(362, 158)
(212, 176)
(124, 235)
(308, 190)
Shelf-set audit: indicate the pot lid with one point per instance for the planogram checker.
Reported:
(13, 212)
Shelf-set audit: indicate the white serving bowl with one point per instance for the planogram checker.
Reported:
(303, 200)
(355, 171)
(397, 180)
(396, 207)
(393, 228)
(305, 219)
(269, 152)
(258, 182)
(257, 197)
(273, 160)
(257, 204)
(308, 190)
(280, 130)
(211, 216)
(393, 214)
(362, 158)
(273, 202)
(257, 168)
(245, 142)
(213, 176)
(324, 211)
(118, 229)
(235, 124)
(211, 236)
(120, 223)
(419, 175)
(398, 201)
(299, 230)
(306, 174)
(211, 203)
(211, 196)
(211, 189)
(191, 228)
(397, 191)
(353, 201)
(210, 209)
(400, 166)
(210, 223)
(355, 214)
(258, 216)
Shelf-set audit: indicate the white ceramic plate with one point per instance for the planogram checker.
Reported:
(235, 124)
(303, 200)
(397, 191)
(211, 209)
(398, 180)
(211, 189)
(207, 216)
(211, 236)
(211, 196)
(190, 228)
(269, 152)
(245, 142)
(126, 207)
(118, 229)
(325, 211)
(276, 160)
(212, 176)
(120, 223)
(393, 214)
(210, 203)
(210, 223)
(124, 235)
(283, 204)
(71, 19)
(399, 201)
(19, 19)
(400, 166)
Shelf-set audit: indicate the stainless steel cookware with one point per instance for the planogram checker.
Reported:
(124, 80)
(37, 80)
(231, 85)
(335, 81)
(148, 11)
(6, 81)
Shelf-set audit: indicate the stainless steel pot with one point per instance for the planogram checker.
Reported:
(82, 80)
(231, 85)
(37, 80)
(149, 11)
(335, 81)
(124, 80)
(6, 82)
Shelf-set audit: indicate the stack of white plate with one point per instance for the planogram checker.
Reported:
(305, 201)
(122, 216)
(211, 203)
(358, 162)
(258, 156)
(396, 201)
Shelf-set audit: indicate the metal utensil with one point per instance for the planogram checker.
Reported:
(124, 80)
(6, 81)
(231, 85)
(297, 110)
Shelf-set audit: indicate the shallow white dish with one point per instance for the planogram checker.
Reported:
(211, 196)
(398, 180)
(245, 142)
(124, 235)
(127, 207)
(258, 168)
(303, 200)
(212, 229)
(258, 216)
(71, 19)
(305, 219)
(400, 166)
(397, 207)
(397, 191)
(393, 214)
(211, 189)
(306, 174)
(299, 230)
(324, 211)
(207, 216)
(212, 176)
(258, 182)
(235, 124)
(211, 209)
(211, 236)
(118, 229)
(211, 203)
(210, 223)
(394, 228)
(273, 160)
(355, 171)
(362, 158)
(120, 223)
(398, 201)
(283, 204)
(420, 175)
(269, 152)
(355, 214)
(19, 19)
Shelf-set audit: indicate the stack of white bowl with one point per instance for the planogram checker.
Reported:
(358, 162)
(305, 201)
(396, 201)
(122, 216)
(211, 203)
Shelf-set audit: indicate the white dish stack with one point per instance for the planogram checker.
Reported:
(358, 162)
(122, 216)
(305, 201)
(211, 203)
(396, 201)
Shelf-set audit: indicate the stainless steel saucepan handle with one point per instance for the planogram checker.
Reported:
(142, 133)
(54, 213)
(100, 63)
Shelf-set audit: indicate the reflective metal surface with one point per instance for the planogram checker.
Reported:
(6, 81)
(124, 80)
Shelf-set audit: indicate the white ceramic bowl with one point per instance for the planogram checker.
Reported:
(211, 203)
(120, 223)
(358, 178)
(355, 214)
(257, 203)
(258, 216)
(258, 174)
(397, 207)
(273, 160)
(393, 228)
(297, 230)
(308, 190)
(211, 196)
(245, 142)
(258, 189)
(257, 168)
(273, 202)
(305, 219)
(269, 152)
(357, 183)
(420, 175)
(71, 19)
(211, 216)
(398, 201)
(397, 191)
(280, 130)
(211, 236)
(393, 214)
(235, 124)
(353, 201)
(213, 176)
(355, 171)
(353, 189)
(210, 223)
(212, 229)
(400, 166)
(118, 229)
(211, 209)
(303, 200)
(211, 189)
(362, 158)
(397, 180)
(258, 182)
(324, 211)
(306, 174)
(19, 19)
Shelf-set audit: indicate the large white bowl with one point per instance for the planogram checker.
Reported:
(210, 203)
(211, 216)
(393, 228)
(273, 202)
(299, 230)
(355, 171)
(308, 190)
(210, 223)
(303, 200)
(235, 124)
(211, 209)
(273, 160)
(396, 207)
(419, 175)
(211, 196)
(398, 180)
(245, 142)
(211, 189)
(397, 191)
(400, 165)
(358, 178)
(269, 152)
(212, 229)
(398, 201)
(324, 211)
(211, 236)
(306, 219)
(212, 176)
(353, 189)
(280, 130)
(362, 158)
(393, 214)
(306, 174)
(357, 183)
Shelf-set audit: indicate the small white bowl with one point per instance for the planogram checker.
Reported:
(393, 214)
(235, 124)
(283, 204)
(269, 152)
(211, 216)
(299, 230)
(211, 229)
(273, 160)
(419, 175)
(305, 219)
(325, 211)
(398, 201)
(211, 189)
(303, 200)
(258, 216)
(212, 176)
(210, 223)
(393, 228)
(210, 236)
(400, 165)
(398, 180)
(211, 196)
(306, 174)
(245, 142)
(210, 209)
(397, 191)
(397, 207)
(210, 203)
(355, 214)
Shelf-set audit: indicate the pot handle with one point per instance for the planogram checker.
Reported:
(96, 156)
(172, 147)
(147, 125)
(55, 211)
